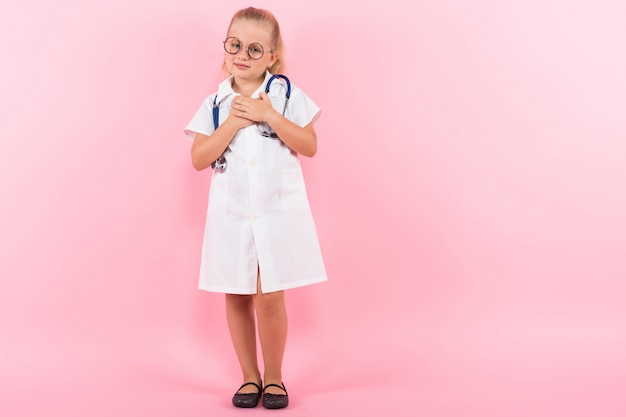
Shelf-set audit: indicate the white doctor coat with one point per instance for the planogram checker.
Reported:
(258, 213)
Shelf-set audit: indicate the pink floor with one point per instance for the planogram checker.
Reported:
(354, 372)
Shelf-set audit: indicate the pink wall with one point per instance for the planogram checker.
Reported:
(469, 192)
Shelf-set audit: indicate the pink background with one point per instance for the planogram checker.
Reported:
(469, 192)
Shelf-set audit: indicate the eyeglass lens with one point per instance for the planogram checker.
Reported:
(233, 46)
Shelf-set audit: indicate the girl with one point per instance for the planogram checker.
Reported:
(260, 238)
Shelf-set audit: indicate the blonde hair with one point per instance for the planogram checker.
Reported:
(267, 20)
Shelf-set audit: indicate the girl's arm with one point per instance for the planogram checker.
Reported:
(206, 149)
(302, 140)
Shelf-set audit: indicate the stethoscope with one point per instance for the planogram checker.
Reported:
(219, 165)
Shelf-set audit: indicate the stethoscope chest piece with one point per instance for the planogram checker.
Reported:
(219, 165)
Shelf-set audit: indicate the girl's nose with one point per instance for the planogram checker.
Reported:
(242, 50)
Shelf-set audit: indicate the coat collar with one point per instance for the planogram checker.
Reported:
(225, 88)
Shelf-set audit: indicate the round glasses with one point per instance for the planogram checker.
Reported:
(233, 45)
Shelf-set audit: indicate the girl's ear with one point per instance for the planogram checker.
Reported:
(273, 60)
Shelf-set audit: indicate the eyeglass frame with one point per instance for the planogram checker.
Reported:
(241, 45)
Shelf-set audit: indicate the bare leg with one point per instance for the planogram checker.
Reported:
(272, 320)
(240, 317)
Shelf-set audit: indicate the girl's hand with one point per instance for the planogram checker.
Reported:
(238, 122)
(256, 110)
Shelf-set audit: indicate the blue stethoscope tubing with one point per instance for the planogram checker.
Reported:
(220, 163)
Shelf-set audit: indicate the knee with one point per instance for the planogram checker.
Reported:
(239, 301)
(269, 305)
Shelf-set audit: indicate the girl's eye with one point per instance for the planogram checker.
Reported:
(255, 49)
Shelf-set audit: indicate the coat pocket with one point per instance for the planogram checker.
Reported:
(293, 193)
(218, 195)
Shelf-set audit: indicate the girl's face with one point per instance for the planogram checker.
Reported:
(248, 34)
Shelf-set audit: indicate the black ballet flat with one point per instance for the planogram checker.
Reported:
(249, 400)
(274, 401)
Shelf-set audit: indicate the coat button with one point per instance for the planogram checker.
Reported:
(252, 162)
(254, 217)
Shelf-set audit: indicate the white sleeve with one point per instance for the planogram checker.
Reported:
(301, 109)
(202, 121)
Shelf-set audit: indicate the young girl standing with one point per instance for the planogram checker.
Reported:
(260, 238)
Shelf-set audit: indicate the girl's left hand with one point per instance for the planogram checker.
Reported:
(258, 110)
